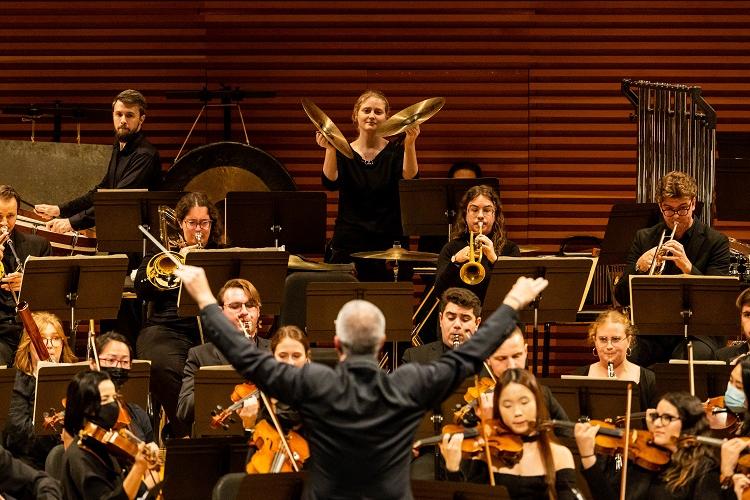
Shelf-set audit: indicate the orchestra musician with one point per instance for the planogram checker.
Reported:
(10, 284)
(20, 438)
(369, 214)
(240, 303)
(134, 164)
(360, 420)
(167, 337)
(18, 480)
(480, 206)
(736, 398)
(92, 470)
(692, 471)
(734, 353)
(612, 337)
(545, 465)
(696, 249)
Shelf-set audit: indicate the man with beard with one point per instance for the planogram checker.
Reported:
(134, 164)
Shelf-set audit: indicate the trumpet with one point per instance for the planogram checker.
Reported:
(657, 267)
(3, 238)
(473, 272)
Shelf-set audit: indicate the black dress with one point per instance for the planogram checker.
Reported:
(646, 385)
(519, 487)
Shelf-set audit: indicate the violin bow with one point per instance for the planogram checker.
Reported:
(691, 367)
(277, 426)
(91, 346)
(623, 479)
(487, 455)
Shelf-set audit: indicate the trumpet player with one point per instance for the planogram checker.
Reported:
(481, 214)
(167, 337)
(695, 249)
(15, 246)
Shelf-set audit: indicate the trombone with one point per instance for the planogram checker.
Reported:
(473, 272)
(657, 268)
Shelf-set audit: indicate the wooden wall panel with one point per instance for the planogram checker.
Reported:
(532, 87)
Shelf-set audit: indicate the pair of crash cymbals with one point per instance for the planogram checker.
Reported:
(396, 124)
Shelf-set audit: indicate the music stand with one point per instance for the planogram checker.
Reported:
(429, 206)
(136, 389)
(119, 212)
(295, 219)
(265, 269)
(87, 286)
(52, 381)
(7, 382)
(213, 386)
(710, 377)
(597, 398)
(569, 281)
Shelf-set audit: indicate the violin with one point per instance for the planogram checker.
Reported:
(53, 419)
(720, 417)
(506, 448)
(270, 456)
(221, 418)
(610, 440)
(121, 443)
(471, 397)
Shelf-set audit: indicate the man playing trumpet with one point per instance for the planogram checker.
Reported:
(695, 249)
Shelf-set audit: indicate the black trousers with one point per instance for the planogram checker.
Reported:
(650, 349)
(167, 349)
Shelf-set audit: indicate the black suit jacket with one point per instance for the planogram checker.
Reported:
(707, 249)
(26, 245)
(203, 355)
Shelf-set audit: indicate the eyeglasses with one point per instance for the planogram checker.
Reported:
(114, 362)
(665, 418)
(669, 211)
(236, 306)
(613, 340)
(474, 210)
(203, 224)
(53, 342)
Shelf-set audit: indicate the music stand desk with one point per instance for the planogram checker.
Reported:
(51, 388)
(213, 387)
(593, 397)
(710, 377)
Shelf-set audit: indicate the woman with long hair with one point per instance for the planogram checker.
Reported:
(546, 468)
(692, 471)
(735, 400)
(20, 438)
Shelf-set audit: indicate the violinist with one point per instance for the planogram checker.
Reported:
(240, 304)
(10, 284)
(20, 438)
(115, 358)
(612, 337)
(736, 398)
(546, 468)
(734, 353)
(92, 470)
(167, 337)
(692, 471)
(480, 207)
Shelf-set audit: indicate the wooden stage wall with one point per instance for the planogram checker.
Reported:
(532, 87)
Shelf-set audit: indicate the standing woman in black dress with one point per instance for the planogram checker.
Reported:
(369, 216)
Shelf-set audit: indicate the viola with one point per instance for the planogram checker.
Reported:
(506, 448)
(610, 440)
(121, 443)
(720, 417)
(270, 456)
(471, 397)
(221, 418)
(123, 418)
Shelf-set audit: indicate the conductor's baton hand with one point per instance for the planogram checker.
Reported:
(195, 282)
(524, 291)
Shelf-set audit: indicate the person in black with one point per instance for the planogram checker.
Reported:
(738, 351)
(480, 206)
(360, 421)
(736, 397)
(167, 337)
(134, 164)
(20, 438)
(24, 482)
(10, 284)
(692, 471)
(91, 470)
(611, 336)
(240, 303)
(696, 250)
(545, 465)
(369, 214)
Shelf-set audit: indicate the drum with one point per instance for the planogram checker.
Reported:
(739, 265)
(73, 243)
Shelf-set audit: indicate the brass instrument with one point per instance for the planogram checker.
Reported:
(4, 236)
(160, 268)
(473, 272)
(656, 269)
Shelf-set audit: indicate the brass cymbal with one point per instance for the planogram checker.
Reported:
(414, 114)
(326, 127)
(398, 253)
(739, 246)
(529, 248)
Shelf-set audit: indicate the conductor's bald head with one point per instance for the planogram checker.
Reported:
(360, 328)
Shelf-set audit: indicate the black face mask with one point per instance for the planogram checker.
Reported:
(107, 416)
(118, 375)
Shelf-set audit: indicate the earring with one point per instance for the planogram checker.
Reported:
(628, 352)
(593, 351)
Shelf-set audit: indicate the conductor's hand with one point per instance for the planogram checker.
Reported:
(47, 212)
(322, 141)
(12, 281)
(195, 282)
(524, 291)
(59, 226)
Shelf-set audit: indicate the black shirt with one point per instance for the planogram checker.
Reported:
(520, 487)
(91, 473)
(25, 245)
(360, 421)
(24, 482)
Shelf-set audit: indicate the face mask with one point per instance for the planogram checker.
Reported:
(118, 375)
(734, 398)
(107, 416)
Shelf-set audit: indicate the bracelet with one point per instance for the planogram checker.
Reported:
(588, 456)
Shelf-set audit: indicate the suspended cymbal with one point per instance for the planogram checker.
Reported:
(414, 114)
(398, 254)
(326, 127)
(739, 246)
(529, 248)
